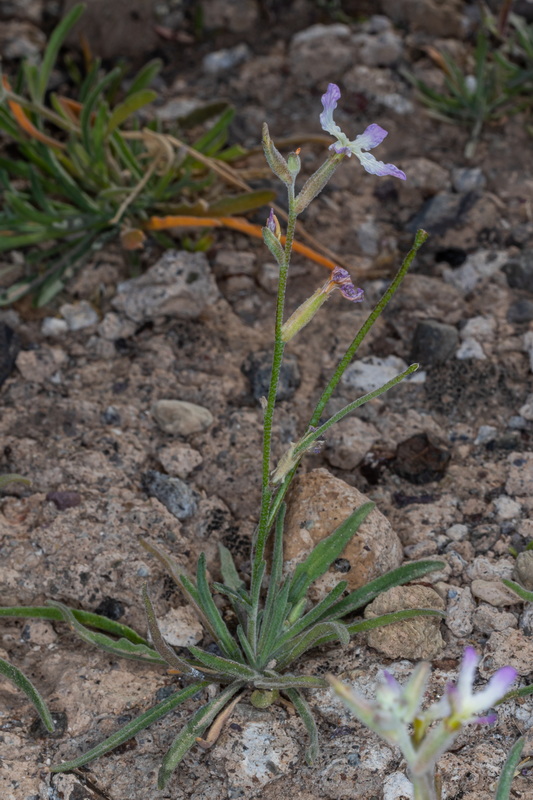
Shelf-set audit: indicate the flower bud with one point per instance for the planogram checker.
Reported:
(317, 181)
(294, 164)
(275, 160)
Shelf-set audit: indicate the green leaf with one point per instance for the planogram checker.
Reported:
(389, 619)
(24, 684)
(196, 726)
(325, 553)
(85, 617)
(13, 478)
(163, 648)
(88, 107)
(519, 590)
(132, 728)
(205, 600)
(315, 614)
(48, 291)
(503, 789)
(223, 666)
(145, 76)
(318, 634)
(56, 40)
(228, 569)
(283, 682)
(241, 204)
(132, 103)
(524, 691)
(123, 648)
(302, 707)
(396, 577)
(216, 135)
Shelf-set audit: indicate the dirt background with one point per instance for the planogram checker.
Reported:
(83, 381)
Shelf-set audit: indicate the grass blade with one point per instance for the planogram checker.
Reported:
(519, 590)
(25, 685)
(145, 76)
(133, 727)
(223, 666)
(129, 106)
(198, 723)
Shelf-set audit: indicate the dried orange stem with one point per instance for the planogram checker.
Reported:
(27, 126)
(237, 224)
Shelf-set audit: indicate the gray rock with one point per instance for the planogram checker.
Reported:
(53, 327)
(180, 418)
(257, 369)
(382, 49)
(320, 53)
(372, 372)
(461, 607)
(478, 266)
(440, 213)
(520, 311)
(176, 496)
(236, 16)
(524, 569)
(433, 343)
(180, 284)
(494, 593)
(348, 442)
(20, 39)
(224, 60)
(468, 180)
(487, 619)
(79, 315)
(9, 350)
(519, 272)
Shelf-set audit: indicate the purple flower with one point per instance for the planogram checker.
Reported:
(342, 281)
(371, 137)
(464, 704)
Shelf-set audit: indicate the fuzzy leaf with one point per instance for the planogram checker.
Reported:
(318, 634)
(519, 590)
(133, 727)
(325, 553)
(228, 569)
(13, 478)
(241, 204)
(223, 666)
(24, 684)
(196, 726)
(503, 789)
(302, 707)
(205, 600)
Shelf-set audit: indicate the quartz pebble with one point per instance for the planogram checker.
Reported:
(180, 418)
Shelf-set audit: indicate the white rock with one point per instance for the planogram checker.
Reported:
(506, 507)
(397, 786)
(457, 532)
(470, 348)
(349, 442)
(181, 627)
(180, 418)
(485, 434)
(53, 326)
(372, 372)
(477, 267)
(179, 460)
(482, 329)
(461, 607)
(79, 315)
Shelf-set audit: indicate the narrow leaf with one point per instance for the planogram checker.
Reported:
(132, 728)
(503, 789)
(57, 38)
(389, 619)
(163, 648)
(145, 76)
(228, 569)
(209, 608)
(121, 647)
(241, 203)
(396, 577)
(302, 707)
(131, 104)
(318, 634)
(196, 726)
(325, 553)
(519, 590)
(223, 666)
(24, 684)
(13, 478)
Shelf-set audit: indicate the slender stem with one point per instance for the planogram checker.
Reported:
(420, 238)
(424, 786)
(42, 111)
(258, 547)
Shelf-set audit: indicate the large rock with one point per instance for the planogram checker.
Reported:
(121, 29)
(318, 503)
(415, 638)
(179, 285)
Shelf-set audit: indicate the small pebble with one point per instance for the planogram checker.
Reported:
(53, 327)
(79, 315)
(180, 418)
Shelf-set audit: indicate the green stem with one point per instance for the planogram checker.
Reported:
(420, 238)
(258, 546)
(42, 111)
(424, 786)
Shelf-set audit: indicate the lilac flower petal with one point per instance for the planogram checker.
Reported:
(498, 685)
(339, 274)
(329, 102)
(378, 167)
(352, 294)
(337, 147)
(490, 719)
(467, 674)
(371, 137)
(392, 683)
(341, 278)
(271, 223)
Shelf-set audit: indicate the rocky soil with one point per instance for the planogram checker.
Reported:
(133, 406)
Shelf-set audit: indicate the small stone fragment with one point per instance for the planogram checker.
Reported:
(226, 59)
(64, 500)
(519, 272)
(468, 180)
(181, 418)
(520, 479)
(520, 311)
(179, 459)
(53, 327)
(9, 350)
(507, 648)
(176, 496)
(372, 372)
(487, 619)
(494, 592)
(40, 365)
(79, 315)
(420, 459)
(257, 368)
(348, 442)
(180, 285)
(461, 607)
(417, 638)
(433, 342)
(524, 569)
(181, 627)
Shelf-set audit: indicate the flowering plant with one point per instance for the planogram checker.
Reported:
(396, 716)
